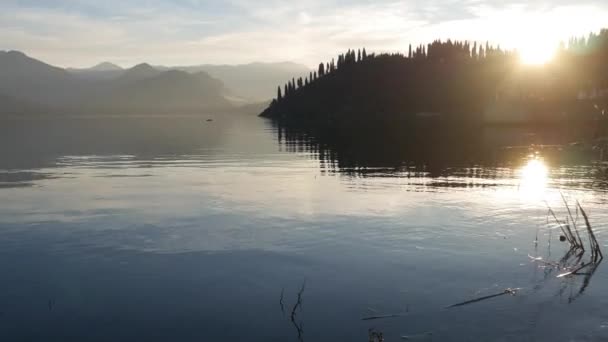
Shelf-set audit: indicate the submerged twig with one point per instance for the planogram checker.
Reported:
(371, 318)
(572, 263)
(300, 329)
(505, 292)
(299, 326)
(567, 235)
(281, 301)
(596, 252)
(579, 241)
(575, 271)
(426, 336)
(299, 302)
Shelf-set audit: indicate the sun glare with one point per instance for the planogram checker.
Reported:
(533, 178)
(536, 54)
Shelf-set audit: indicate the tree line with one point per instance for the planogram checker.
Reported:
(432, 101)
(590, 53)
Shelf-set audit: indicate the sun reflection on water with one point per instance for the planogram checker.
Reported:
(533, 178)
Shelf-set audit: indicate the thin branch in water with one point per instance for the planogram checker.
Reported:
(300, 329)
(573, 272)
(281, 301)
(579, 241)
(299, 302)
(427, 336)
(505, 292)
(371, 318)
(596, 252)
(561, 226)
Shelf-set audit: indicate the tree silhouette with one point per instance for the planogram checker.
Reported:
(366, 99)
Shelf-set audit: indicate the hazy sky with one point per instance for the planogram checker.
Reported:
(180, 32)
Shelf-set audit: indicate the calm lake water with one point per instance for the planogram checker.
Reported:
(183, 229)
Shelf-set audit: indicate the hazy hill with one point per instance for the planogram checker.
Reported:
(247, 83)
(137, 73)
(105, 66)
(32, 80)
(142, 88)
(104, 70)
(254, 82)
(16, 66)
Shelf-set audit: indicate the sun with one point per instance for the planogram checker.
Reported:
(536, 54)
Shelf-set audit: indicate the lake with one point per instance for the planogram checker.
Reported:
(211, 228)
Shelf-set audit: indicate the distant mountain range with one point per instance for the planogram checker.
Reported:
(30, 85)
(255, 81)
(252, 82)
(103, 70)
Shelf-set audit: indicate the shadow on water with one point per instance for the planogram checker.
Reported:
(22, 178)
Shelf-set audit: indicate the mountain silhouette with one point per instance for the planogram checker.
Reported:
(246, 83)
(28, 79)
(105, 66)
(144, 89)
(101, 71)
(253, 82)
(139, 72)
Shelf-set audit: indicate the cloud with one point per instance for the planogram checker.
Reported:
(80, 33)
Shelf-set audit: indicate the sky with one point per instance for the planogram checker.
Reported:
(81, 33)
